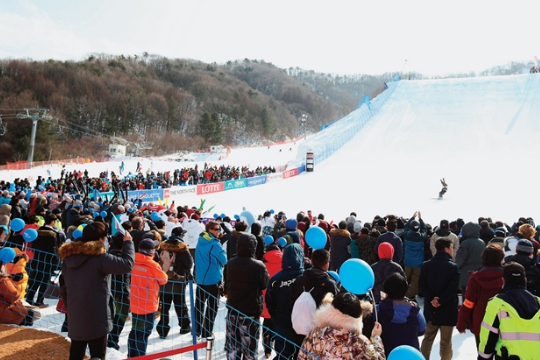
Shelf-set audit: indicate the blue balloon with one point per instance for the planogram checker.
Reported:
(356, 276)
(237, 217)
(77, 233)
(282, 242)
(95, 215)
(335, 276)
(316, 238)
(91, 210)
(268, 239)
(272, 211)
(17, 224)
(7, 255)
(29, 235)
(222, 216)
(103, 214)
(405, 352)
(216, 216)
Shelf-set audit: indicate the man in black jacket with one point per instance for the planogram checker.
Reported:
(245, 279)
(439, 280)
(45, 259)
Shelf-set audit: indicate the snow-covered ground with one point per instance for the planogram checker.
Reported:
(480, 134)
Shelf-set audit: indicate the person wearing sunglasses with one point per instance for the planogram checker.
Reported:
(210, 258)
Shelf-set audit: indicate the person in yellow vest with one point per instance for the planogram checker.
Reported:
(511, 326)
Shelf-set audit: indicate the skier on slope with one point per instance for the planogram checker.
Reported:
(444, 189)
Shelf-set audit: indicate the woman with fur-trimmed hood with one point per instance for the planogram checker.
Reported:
(86, 291)
(338, 331)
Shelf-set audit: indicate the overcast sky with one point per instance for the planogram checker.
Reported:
(343, 37)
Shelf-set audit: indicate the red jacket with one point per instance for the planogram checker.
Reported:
(272, 260)
(482, 286)
(146, 277)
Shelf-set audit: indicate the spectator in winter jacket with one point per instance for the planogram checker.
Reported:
(245, 279)
(523, 255)
(146, 277)
(482, 286)
(355, 235)
(210, 258)
(439, 280)
(86, 269)
(384, 268)
(316, 280)
(413, 241)
(401, 318)
(175, 251)
(279, 301)
(510, 326)
(45, 260)
(393, 239)
(5, 214)
(239, 228)
(340, 246)
(469, 255)
(528, 233)
(338, 331)
(444, 231)
(272, 259)
(12, 309)
(256, 231)
(486, 232)
(120, 284)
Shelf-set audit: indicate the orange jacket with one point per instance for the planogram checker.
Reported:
(12, 310)
(146, 277)
(19, 267)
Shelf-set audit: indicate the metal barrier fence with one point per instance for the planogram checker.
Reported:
(179, 324)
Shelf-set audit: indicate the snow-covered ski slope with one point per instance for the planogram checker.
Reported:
(480, 134)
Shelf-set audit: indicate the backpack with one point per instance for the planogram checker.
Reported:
(302, 313)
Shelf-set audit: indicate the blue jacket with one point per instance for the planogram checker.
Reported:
(403, 322)
(210, 258)
(413, 242)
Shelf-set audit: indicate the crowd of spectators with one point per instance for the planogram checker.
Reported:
(410, 260)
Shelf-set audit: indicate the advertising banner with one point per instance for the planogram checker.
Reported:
(210, 188)
(235, 184)
(290, 173)
(274, 177)
(179, 190)
(259, 180)
(146, 195)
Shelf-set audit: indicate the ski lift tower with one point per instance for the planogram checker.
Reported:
(35, 115)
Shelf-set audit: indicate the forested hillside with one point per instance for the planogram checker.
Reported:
(167, 104)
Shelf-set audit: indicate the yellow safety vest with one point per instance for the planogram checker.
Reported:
(519, 336)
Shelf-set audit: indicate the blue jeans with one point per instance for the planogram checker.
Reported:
(141, 327)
